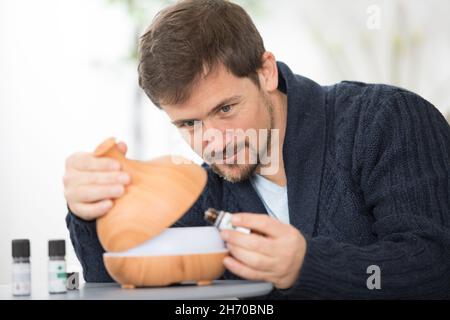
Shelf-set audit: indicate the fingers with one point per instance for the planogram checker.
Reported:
(91, 183)
(252, 259)
(250, 242)
(90, 211)
(261, 223)
(83, 161)
(78, 178)
(93, 193)
(122, 146)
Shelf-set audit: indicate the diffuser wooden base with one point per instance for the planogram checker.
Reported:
(135, 271)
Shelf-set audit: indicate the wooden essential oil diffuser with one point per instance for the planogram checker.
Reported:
(141, 249)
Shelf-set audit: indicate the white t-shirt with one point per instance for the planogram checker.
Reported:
(273, 196)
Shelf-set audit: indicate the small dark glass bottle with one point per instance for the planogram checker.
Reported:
(21, 268)
(57, 277)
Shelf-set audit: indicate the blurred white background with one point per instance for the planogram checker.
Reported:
(68, 80)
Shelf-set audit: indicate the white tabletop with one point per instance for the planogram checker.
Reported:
(219, 289)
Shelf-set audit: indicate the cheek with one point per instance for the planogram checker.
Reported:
(258, 115)
(249, 118)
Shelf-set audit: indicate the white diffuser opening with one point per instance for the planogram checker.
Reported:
(176, 241)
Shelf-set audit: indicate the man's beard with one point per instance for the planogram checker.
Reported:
(240, 172)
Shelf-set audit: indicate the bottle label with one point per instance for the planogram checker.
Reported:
(225, 224)
(57, 277)
(21, 279)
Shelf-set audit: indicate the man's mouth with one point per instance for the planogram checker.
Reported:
(231, 158)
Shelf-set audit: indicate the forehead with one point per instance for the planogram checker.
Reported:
(207, 92)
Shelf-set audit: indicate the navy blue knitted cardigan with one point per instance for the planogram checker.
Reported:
(368, 179)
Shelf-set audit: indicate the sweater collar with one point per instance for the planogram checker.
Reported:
(303, 152)
(303, 147)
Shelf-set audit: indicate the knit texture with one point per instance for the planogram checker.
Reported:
(368, 170)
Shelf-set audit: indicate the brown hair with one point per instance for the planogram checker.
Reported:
(185, 41)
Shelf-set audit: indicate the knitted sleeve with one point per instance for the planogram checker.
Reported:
(89, 251)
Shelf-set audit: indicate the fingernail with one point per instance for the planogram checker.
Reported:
(117, 191)
(235, 219)
(224, 235)
(115, 166)
(107, 204)
(124, 178)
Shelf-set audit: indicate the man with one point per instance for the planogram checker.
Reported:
(358, 205)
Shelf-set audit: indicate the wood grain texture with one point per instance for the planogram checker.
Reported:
(143, 271)
(160, 192)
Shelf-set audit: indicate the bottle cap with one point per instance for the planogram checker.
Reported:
(56, 248)
(21, 248)
(211, 215)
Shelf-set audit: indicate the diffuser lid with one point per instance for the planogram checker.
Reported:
(160, 193)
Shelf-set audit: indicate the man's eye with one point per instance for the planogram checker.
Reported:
(225, 109)
(189, 123)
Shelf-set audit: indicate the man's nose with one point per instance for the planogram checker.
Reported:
(214, 137)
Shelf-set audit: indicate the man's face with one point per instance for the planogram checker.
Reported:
(220, 108)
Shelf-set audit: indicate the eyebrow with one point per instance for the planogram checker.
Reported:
(222, 103)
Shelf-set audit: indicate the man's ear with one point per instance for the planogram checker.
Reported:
(268, 73)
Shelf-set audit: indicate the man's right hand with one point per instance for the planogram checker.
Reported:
(91, 183)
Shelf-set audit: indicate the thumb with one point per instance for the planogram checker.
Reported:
(122, 146)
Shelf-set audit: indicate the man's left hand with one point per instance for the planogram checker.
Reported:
(273, 252)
